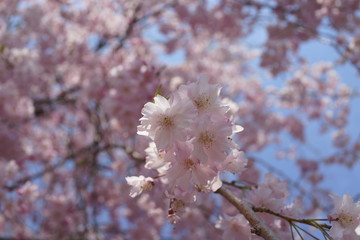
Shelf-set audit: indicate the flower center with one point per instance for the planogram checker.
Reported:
(206, 139)
(166, 122)
(148, 185)
(234, 225)
(345, 220)
(177, 205)
(202, 102)
(190, 164)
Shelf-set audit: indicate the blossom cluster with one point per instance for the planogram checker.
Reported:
(191, 133)
(191, 144)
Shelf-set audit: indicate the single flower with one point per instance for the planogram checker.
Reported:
(139, 184)
(346, 213)
(165, 121)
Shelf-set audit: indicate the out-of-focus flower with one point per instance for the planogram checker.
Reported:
(139, 184)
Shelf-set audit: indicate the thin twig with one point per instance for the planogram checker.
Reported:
(259, 227)
(135, 19)
(290, 219)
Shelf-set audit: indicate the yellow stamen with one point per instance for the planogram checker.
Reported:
(206, 139)
(190, 164)
(202, 102)
(166, 122)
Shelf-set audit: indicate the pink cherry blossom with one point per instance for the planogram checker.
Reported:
(29, 191)
(188, 173)
(233, 227)
(156, 159)
(346, 215)
(235, 162)
(11, 168)
(164, 120)
(205, 97)
(139, 184)
(212, 139)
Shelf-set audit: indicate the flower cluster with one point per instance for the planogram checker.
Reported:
(191, 133)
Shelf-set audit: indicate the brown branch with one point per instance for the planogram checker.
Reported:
(130, 27)
(290, 219)
(135, 19)
(45, 105)
(92, 148)
(88, 149)
(235, 184)
(259, 227)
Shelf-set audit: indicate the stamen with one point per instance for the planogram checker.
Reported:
(166, 122)
(190, 164)
(345, 219)
(202, 102)
(148, 185)
(206, 139)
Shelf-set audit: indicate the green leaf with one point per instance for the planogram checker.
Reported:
(158, 91)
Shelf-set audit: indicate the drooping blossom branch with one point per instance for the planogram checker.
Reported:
(258, 226)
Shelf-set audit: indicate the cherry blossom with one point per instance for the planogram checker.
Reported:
(164, 120)
(139, 184)
(156, 159)
(204, 96)
(346, 213)
(188, 173)
(233, 227)
(212, 139)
